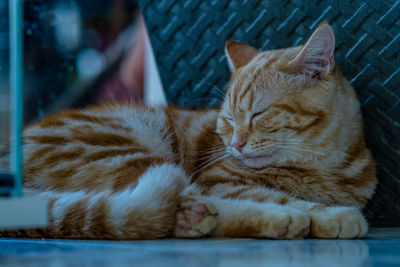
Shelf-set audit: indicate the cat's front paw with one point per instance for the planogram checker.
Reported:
(287, 223)
(338, 222)
(195, 218)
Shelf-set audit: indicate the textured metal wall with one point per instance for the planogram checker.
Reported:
(188, 39)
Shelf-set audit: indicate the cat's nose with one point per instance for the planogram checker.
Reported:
(239, 145)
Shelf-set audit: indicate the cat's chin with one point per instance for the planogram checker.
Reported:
(258, 162)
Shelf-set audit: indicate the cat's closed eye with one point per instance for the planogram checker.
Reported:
(257, 115)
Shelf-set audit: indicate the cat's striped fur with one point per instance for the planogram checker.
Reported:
(284, 157)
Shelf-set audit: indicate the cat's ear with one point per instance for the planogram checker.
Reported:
(316, 57)
(239, 54)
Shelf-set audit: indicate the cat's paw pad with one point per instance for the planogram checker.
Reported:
(288, 224)
(338, 222)
(195, 219)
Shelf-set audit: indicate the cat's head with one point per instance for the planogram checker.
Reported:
(278, 101)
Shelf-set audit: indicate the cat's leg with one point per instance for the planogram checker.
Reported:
(255, 211)
(215, 216)
(326, 221)
(149, 211)
(144, 212)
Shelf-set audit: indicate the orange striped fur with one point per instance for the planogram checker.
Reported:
(283, 157)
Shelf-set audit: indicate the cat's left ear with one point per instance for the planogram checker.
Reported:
(316, 57)
(239, 54)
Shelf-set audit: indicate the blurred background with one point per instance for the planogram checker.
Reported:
(76, 53)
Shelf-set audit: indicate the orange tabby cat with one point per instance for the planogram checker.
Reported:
(283, 157)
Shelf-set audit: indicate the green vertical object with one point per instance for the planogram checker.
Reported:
(16, 88)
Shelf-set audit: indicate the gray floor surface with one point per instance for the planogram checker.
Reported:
(380, 248)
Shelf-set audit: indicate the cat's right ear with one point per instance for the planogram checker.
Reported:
(239, 54)
(316, 56)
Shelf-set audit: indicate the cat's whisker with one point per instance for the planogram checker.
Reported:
(289, 140)
(219, 91)
(207, 157)
(303, 140)
(216, 148)
(207, 152)
(304, 149)
(209, 163)
(289, 147)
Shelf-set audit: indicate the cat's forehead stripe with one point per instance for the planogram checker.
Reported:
(250, 69)
(250, 101)
(261, 62)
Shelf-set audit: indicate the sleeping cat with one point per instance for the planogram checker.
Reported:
(283, 157)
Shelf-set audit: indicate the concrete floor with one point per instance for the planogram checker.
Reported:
(380, 248)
